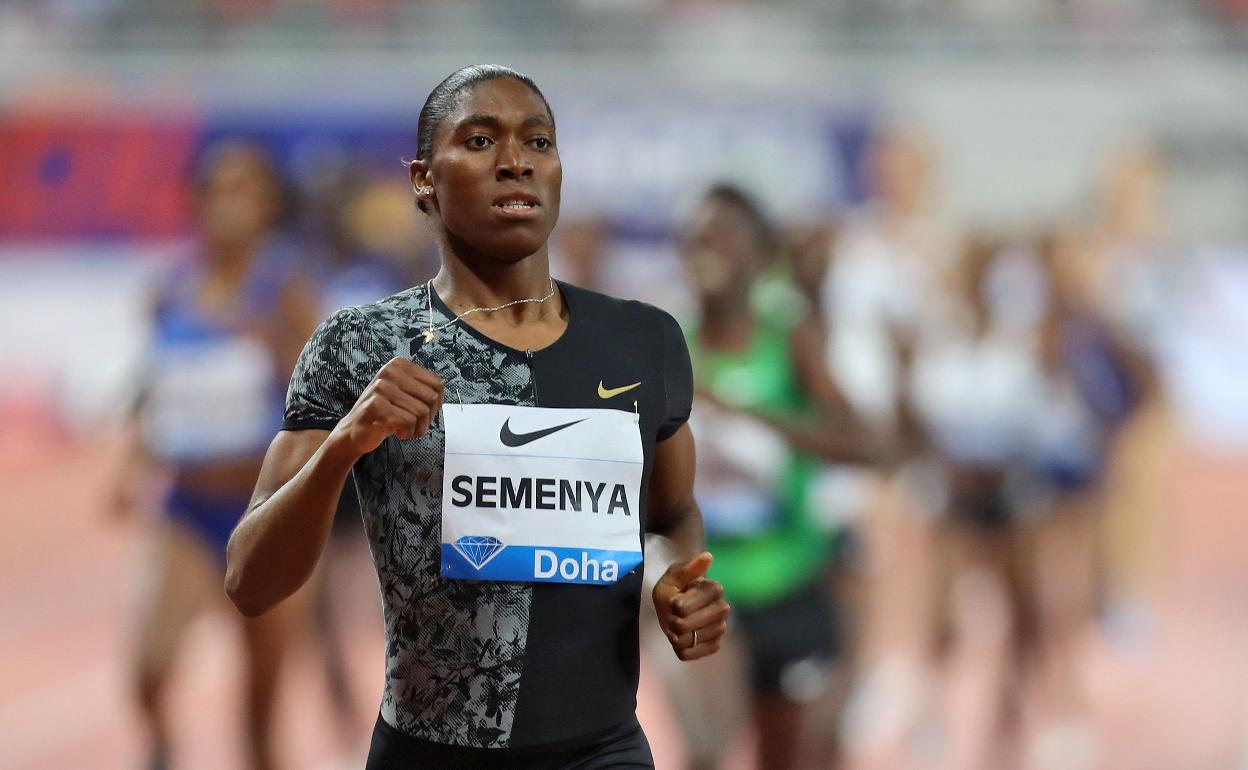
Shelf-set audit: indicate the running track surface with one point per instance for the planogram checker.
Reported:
(66, 595)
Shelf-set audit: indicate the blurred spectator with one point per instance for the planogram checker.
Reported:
(228, 322)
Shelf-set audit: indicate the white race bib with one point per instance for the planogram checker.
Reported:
(212, 400)
(536, 494)
(740, 463)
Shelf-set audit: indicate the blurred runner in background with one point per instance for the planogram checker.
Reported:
(1093, 382)
(766, 409)
(882, 285)
(975, 386)
(1017, 388)
(228, 322)
(1135, 274)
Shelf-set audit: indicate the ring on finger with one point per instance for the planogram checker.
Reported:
(695, 638)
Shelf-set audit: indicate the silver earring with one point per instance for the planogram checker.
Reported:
(426, 191)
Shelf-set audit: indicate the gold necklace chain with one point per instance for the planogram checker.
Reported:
(432, 331)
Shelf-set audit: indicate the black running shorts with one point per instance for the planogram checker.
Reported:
(622, 747)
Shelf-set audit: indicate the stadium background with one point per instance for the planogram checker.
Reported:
(105, 104)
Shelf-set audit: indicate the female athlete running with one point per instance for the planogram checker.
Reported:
(513, 438)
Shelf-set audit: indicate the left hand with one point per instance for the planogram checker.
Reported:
(691, 608)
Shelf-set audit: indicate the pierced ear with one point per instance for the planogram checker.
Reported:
(422, 181)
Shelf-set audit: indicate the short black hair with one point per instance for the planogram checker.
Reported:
(444, 98)
(766, 238)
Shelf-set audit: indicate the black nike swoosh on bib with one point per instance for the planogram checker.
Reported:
(520, 439)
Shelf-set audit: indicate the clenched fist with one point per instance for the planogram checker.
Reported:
(691, 608)
(400, 401)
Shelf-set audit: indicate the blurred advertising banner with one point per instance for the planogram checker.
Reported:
(96, 176)
(72, 178)
(639, 163)
(94, 200)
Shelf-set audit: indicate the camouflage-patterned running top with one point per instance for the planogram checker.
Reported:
(494, 664)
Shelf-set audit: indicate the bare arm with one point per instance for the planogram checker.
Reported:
(834, 433)
(274, 549)
(672, 511)
(690, 606)
(137, 466)
(830, 431)
(911, 433)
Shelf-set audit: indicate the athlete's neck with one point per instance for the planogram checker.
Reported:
(466, 284)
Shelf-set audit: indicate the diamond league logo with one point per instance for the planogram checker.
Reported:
(479, 549)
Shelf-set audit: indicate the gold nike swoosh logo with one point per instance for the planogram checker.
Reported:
(609, 392)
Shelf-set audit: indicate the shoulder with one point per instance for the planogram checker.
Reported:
(377, 331)
(360, 328)
(625, 316)
(390, 315)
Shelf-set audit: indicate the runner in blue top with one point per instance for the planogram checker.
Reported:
(227, 322)
(513, 439)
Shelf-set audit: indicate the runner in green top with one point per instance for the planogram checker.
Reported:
(766, 411)
(766, 541)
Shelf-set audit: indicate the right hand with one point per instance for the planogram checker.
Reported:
(400, 401)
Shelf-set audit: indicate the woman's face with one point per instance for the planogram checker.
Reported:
(495, 171)
(719, 250)
(238, 200)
